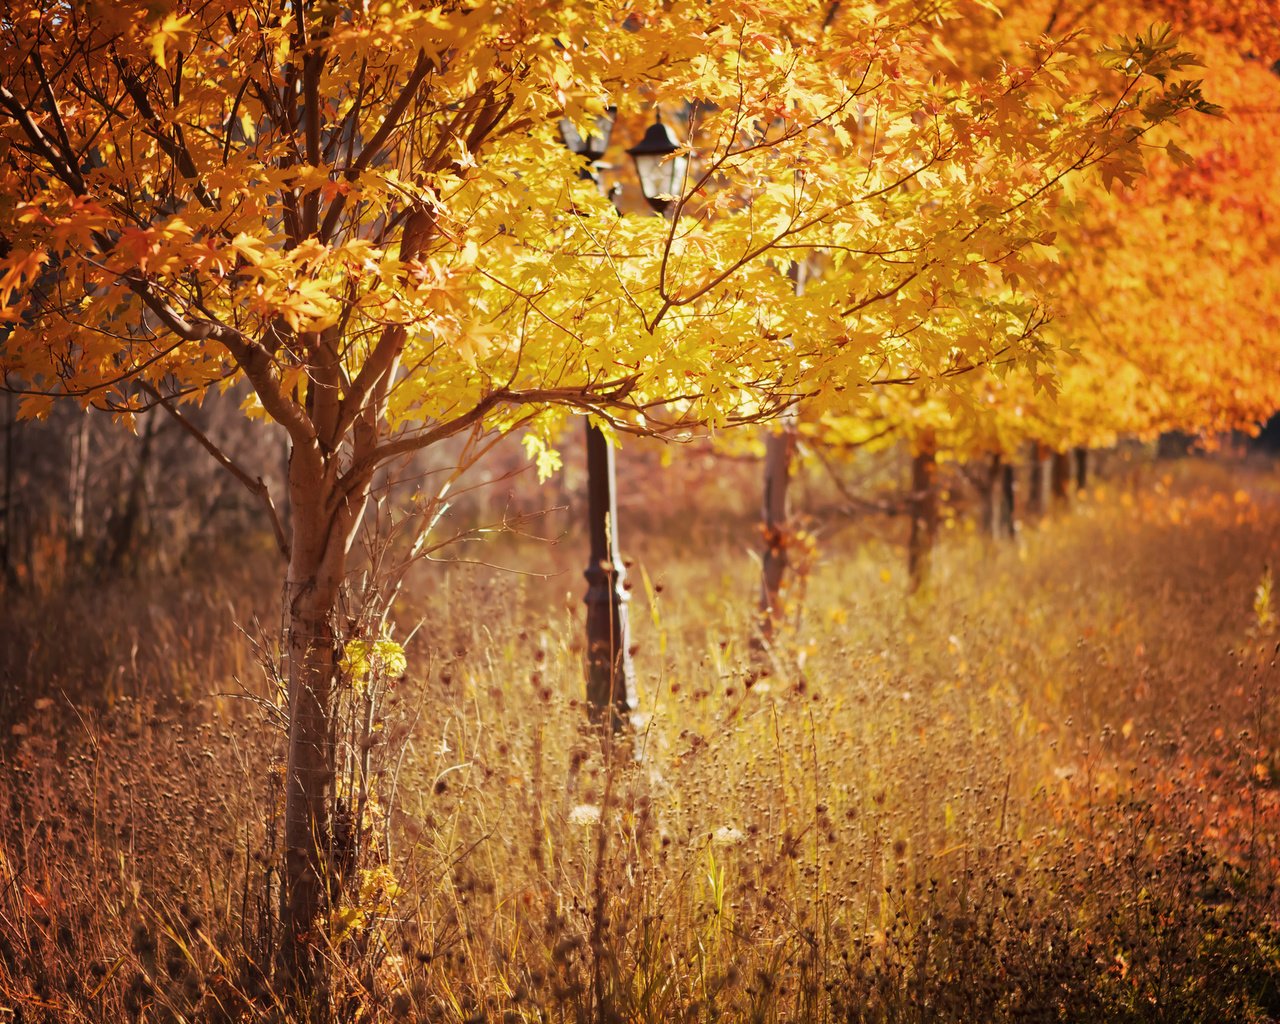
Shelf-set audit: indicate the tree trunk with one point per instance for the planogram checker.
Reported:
(1174, 444)
(775, 515)
(1009, 494)
(9, 526)
(286, 503)
(924, 511)
(1061, 474)
(1036, 503)
(1082, 468)
(321, 533)
(77, 485)
(999, 499)
(312, 661)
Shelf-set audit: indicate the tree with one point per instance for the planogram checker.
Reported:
(1160, 284)
(1152, 285)
(365, 216)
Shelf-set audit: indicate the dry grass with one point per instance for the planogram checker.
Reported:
(1042, 791)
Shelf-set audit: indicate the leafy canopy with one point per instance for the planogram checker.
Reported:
(367, 213)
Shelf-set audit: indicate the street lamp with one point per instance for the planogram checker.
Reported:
(611, 675)
(660, 165)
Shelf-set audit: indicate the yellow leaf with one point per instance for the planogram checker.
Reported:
(171, 29)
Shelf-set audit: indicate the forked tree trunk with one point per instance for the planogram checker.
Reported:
(924, 510)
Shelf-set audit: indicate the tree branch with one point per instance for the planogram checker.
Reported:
(370, 151)
(251, 357)
(61, 167)
(256, 486)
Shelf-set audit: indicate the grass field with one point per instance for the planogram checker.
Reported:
(1044, 789)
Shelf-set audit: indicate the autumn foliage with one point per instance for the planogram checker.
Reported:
(961, 227)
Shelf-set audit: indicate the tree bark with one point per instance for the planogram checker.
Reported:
(779, 447)
(1061, 475)
(999, 499)
(924, 511)
(1037, 489)
(77, 484)
(8, 527)
(312, 660)
(322, 528)
(1082, 468)
(1009, 499)
(311, 644)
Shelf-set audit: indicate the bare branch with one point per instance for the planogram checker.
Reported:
(255, 485)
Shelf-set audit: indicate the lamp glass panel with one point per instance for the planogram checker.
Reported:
(661, 174)
(678, 165)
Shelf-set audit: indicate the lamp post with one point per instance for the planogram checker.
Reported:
(611, 675)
